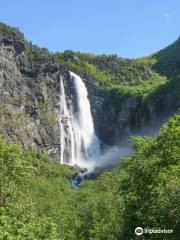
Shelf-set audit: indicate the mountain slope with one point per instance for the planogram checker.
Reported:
(126, 95)
(37, 202)
(168, 60)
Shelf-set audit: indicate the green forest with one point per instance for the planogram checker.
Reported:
(37, 201)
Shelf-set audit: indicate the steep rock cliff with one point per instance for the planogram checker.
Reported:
(29, 99)
(30, 95)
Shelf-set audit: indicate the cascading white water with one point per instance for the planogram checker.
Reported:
(77, 126)
(88, 141)
(65, 122)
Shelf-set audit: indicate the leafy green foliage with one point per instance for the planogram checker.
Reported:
(95, 211)
(110, 72)
(168, 60)
(37, 201)
(143, 191)
(11, 33)
(37, 54)
(151, 186)
(19, 176)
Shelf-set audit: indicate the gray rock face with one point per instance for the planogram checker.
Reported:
(115, 120)
(30, 103)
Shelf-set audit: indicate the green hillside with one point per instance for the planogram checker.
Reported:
(138, 76)
(37, 201)
(168, 60)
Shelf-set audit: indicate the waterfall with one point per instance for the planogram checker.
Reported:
(65, 123)
(78, 141)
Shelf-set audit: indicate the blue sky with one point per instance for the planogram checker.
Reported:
(129, 28)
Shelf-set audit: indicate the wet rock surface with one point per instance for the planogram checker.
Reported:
(80, 176)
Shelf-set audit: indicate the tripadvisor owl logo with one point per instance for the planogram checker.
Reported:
(139, 231)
